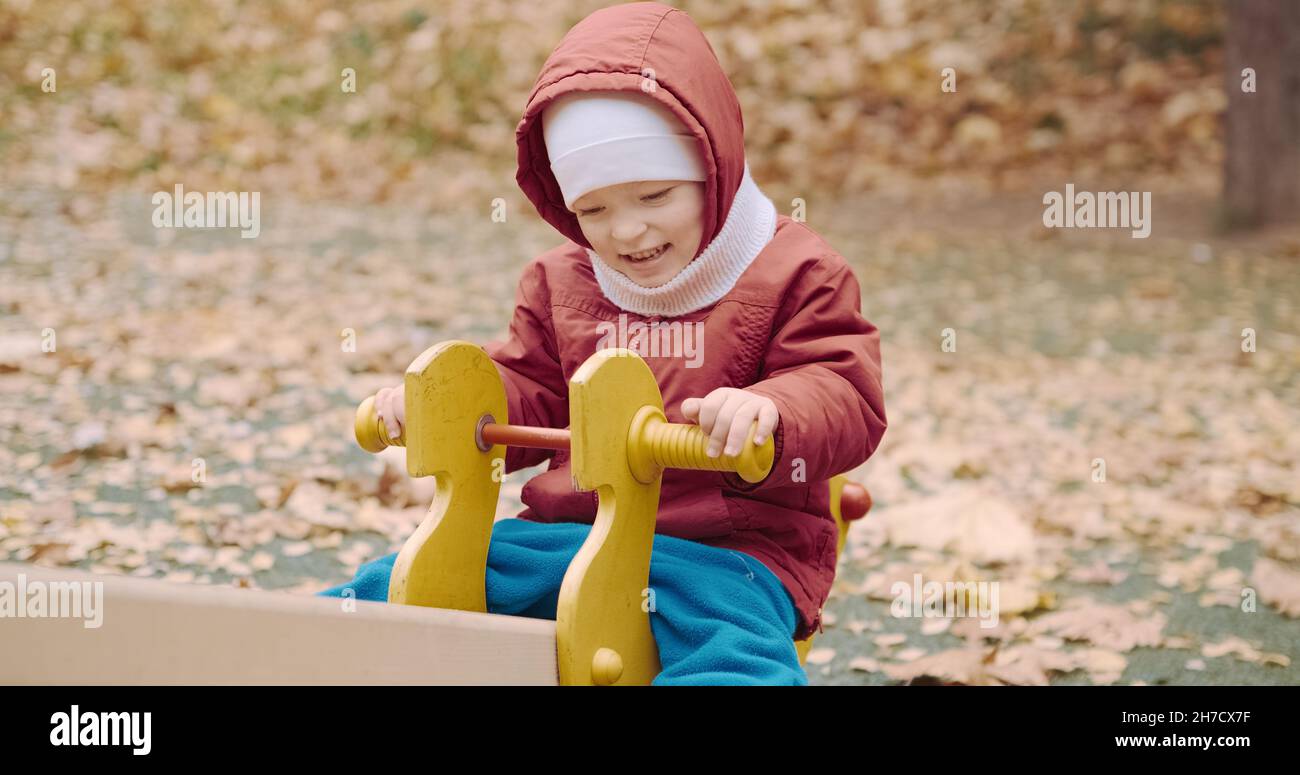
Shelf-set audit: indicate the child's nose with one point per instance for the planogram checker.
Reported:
(627, 230)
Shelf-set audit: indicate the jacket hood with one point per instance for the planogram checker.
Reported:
(655, 49)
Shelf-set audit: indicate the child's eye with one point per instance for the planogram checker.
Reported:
(592, 211)
(657, 196)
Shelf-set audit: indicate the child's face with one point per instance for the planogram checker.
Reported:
(630, 218)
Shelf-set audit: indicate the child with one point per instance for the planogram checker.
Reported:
(632, 147)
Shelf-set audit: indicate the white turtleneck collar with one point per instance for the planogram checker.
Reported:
(750, 225)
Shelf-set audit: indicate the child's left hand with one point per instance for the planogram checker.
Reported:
(726, 414)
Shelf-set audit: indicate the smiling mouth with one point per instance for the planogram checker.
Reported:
(645, 255)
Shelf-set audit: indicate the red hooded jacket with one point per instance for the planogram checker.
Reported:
(790, 329)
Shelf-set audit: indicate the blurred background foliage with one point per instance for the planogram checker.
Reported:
(231, 95)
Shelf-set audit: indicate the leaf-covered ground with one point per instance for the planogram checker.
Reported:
(185, 350)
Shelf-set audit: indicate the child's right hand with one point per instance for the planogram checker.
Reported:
(390, 405)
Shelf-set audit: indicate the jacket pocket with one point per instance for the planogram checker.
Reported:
(741, 517)
(695, 514)
(828, 554)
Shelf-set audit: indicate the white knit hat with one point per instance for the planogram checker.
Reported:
(598, 139)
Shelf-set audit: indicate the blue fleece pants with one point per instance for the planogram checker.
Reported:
(720, 616)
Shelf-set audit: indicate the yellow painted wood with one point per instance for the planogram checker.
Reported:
(602, 624)
(371, 433)
(837, 488)
(621, 444)
(449, 389)
(655, 444)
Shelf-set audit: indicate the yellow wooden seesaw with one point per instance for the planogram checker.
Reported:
(620, 443)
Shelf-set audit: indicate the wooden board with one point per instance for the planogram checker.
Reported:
(155, 632)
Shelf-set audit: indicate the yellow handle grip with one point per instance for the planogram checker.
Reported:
(371, 432)
(654, 444)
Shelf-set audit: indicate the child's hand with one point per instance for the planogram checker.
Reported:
(390, 405)
(726, 414)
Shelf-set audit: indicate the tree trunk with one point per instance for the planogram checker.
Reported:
(1261, 176)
